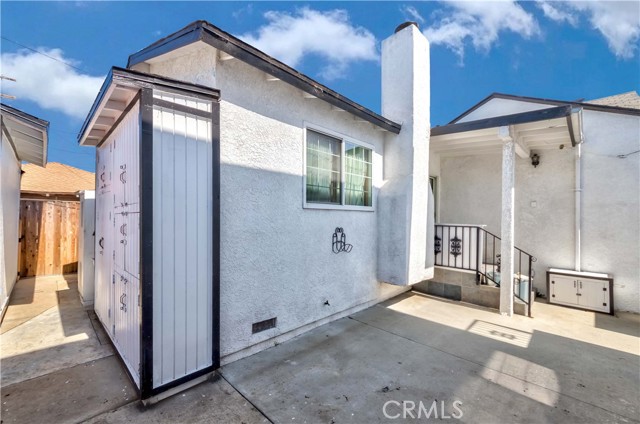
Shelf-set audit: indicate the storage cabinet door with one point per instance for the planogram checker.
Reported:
(127, 324)
(593, 294)
(563, 289)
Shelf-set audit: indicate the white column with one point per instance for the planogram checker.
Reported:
(508, 216)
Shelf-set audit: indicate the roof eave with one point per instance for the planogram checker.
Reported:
(33, 123)
(134, 79)
(223, 41)
(505, 120)
(539, 100)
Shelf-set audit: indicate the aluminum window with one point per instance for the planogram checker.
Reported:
(338, 172)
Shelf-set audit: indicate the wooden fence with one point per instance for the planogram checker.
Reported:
(48, 237)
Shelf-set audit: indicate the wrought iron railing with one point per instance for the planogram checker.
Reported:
(472, 248)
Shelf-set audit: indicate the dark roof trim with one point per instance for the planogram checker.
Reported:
(586, 106)
(215, 37)
(499, 121)
(136, 79)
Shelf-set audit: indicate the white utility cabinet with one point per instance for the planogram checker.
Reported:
(583, 290)
(86, 249)
(157, 228)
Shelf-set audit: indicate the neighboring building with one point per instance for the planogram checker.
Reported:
(56, 181)
(50, 218)
(559, 179)
(267, 203)
(23, 138)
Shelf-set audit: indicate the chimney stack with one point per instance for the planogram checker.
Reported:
(405, 253)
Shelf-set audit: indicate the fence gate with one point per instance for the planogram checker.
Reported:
(48, 237)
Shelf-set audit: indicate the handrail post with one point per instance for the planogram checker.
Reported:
(530, 287)
(477, 255)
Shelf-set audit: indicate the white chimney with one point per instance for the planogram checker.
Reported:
(405, 253)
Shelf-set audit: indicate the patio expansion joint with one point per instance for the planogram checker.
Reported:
(245, 397)
(492, 369)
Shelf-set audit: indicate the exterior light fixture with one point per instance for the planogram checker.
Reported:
(535, 160)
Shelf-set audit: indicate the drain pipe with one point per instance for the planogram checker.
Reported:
(577, 140)
(578, 219)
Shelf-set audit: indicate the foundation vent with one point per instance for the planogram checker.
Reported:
(257, 327)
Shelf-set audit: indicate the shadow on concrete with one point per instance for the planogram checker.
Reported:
(630, 325)
(499, 372)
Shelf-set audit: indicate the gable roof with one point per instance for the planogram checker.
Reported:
(584, 105)
(227, 43)
(629, 100)
(27, 134)
(55, 178)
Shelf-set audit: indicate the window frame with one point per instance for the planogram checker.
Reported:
(343, 138)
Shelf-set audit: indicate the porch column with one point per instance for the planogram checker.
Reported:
(508, 216)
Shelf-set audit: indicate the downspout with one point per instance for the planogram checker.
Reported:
(578, 219)
(576, 140)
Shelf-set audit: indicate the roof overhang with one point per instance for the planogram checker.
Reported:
(550, 102)
(27, 134)
(120, 90)
(202, 32)
(540, 129)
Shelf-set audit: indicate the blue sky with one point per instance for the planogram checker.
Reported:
(558, 50)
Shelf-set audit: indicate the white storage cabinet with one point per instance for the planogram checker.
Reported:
(86, 258)
(583, 290)
(157, 277)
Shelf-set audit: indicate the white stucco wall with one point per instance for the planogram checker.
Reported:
(9, 215)
(471, 194)
(470, 188)
(276, 258)
(611, 203)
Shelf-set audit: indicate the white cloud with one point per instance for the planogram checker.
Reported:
(50, 84)
(556, 12)
(617, 21)
(330, 35)
(411, 12)
(479, 22)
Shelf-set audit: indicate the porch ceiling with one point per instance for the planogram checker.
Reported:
(544, 129)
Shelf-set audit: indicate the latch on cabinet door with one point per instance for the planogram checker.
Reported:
(123, 305)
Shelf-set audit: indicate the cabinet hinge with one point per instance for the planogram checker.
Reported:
(113, 329)
(109, 312)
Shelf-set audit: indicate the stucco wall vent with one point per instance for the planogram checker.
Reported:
(257, 327)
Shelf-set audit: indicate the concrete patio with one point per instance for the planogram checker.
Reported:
(563, 365)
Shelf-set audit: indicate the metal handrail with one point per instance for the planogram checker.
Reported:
(483, 239)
